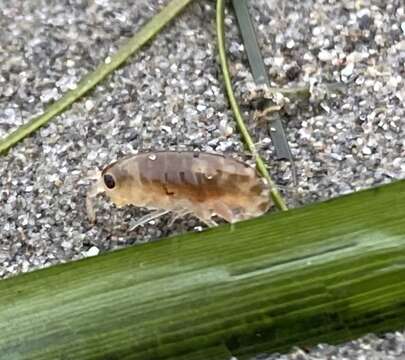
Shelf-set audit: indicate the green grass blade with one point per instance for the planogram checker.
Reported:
(277, 198)
(325, 273)
(250, 42)
(259, 72)
(148, 31)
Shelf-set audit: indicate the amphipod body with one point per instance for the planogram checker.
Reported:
(201, 184)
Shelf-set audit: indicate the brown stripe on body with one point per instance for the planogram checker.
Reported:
(206, 176)
(169, 177)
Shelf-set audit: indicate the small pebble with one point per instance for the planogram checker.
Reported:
(348, 70)
(49, 94)
(89, 104)
(93, 251)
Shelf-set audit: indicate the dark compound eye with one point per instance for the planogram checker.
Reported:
(109, 181)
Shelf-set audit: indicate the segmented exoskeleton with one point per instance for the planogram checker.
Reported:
(197, 183)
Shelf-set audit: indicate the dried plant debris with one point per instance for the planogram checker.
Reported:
(170, 97)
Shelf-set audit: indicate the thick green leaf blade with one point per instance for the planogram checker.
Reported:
(328, 272)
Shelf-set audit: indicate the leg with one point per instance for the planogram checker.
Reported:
(148, 217)
(227, 214)
(224, 212)
(91, 194)
(178, 215)
(93, 175)
(204, 216)
(209, 222)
